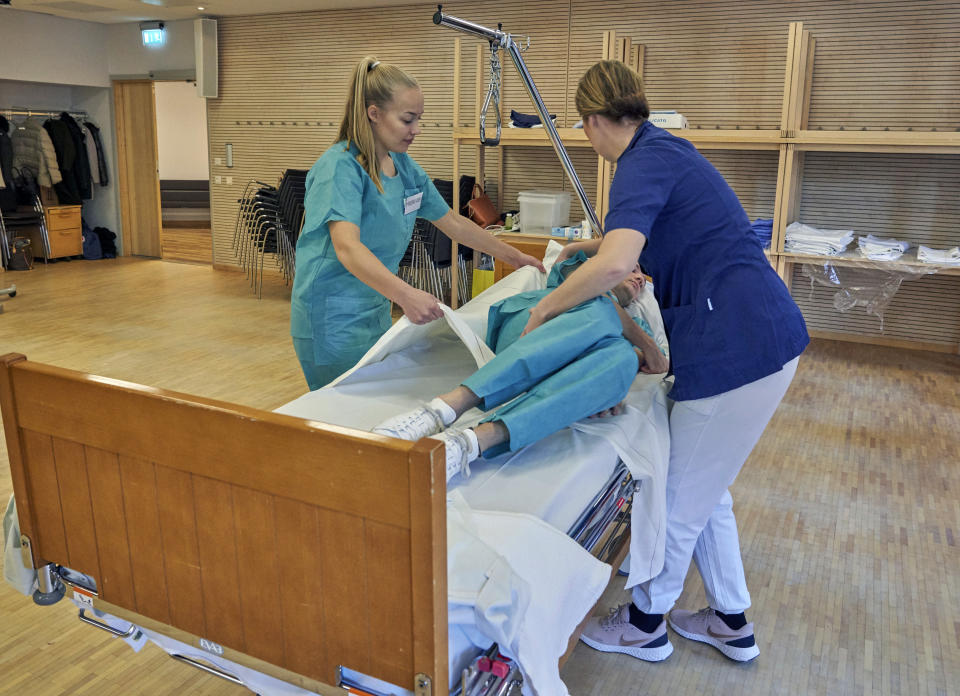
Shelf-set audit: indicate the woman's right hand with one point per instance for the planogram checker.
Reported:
(587, 246)
(568, 251)
(420, 307)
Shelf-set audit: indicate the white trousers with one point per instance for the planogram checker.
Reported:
(710, 439)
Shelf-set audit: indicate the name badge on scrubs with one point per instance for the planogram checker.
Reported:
(412, 203)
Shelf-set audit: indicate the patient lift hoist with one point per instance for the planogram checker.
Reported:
(599, 528)
(499, 39)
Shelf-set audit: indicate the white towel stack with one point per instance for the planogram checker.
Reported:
(945, 257)
(880, 249)
(804, 239)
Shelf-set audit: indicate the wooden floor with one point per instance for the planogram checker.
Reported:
(192, 244)
(849, 508)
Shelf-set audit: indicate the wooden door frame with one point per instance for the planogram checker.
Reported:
(128, 203)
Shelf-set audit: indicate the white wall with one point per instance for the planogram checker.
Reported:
(35, 95)
(42, 48)
(181, 131)
(126, 54)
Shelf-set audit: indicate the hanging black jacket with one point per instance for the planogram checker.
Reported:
(67, 191)
(8, 194)
(81, 164)
(94, 132)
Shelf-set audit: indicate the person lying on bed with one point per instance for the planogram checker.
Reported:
(578, 364)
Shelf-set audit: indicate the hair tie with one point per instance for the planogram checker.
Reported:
(373, 65)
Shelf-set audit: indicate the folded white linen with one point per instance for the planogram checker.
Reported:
(946, 257)
(806, 239)
(881, 249)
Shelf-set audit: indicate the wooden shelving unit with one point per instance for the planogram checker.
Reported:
(792, 141)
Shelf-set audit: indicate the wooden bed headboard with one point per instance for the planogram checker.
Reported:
(305, 545)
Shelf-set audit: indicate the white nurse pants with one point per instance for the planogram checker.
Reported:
(710, 440)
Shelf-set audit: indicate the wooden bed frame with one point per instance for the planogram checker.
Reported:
(335, 548)
(294, 547)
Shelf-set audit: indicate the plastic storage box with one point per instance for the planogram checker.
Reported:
(541, 210)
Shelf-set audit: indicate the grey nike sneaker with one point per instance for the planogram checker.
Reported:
(706, 627)
(615, 633)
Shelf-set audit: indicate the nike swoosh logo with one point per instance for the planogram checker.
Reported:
(634, 643)
(721, 636)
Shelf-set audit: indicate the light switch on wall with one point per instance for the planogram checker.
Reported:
(217, 179)
(229, 181)
(218, 161)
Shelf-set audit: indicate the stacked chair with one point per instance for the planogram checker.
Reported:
(269, 219)
(426, 264)
(25, 216)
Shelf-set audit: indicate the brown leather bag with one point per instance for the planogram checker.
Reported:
(481, 208)
(21, 255)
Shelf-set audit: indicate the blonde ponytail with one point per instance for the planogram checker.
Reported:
(373, 83)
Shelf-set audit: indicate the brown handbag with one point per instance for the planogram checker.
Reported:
(481, 208)
(21, 255)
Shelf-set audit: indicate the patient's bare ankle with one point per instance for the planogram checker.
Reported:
(491, 434)
(460, 400)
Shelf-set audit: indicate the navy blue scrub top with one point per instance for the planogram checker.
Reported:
(728, 316)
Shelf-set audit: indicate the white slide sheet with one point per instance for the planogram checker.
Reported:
(536, 584)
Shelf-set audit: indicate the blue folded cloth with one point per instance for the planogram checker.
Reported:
(526, 120)
(763, 228)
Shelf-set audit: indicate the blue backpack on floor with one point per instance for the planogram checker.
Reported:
(91, 244)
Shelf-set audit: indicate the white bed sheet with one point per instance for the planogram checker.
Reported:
(552, 480)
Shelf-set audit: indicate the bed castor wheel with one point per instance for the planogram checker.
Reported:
(50, 589)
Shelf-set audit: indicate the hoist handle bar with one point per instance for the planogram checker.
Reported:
(445, 20)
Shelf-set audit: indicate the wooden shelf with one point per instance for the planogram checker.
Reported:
(731, 139)
(533, 137)
(878, 141)
(575, 137)
(907, 263)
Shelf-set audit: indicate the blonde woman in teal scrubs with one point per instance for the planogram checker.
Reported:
(362, 198)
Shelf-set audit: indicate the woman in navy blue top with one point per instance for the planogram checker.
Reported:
(735, 335)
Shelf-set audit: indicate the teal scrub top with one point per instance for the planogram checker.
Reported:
(341, 314)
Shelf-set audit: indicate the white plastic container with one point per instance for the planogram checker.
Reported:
(542, 210)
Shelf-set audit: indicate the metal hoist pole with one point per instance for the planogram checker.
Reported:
(505, 41)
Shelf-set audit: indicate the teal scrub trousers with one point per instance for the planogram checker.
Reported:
(569, 368)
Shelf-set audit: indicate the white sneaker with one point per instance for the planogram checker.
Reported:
(413, 425)
(458, 451)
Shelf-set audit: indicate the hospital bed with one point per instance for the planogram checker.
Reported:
(293, 550)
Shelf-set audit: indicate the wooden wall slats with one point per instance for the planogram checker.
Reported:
(259, 573)
(216, 534)
(343, 565)
(143, 529)
(115, 582)
(178, 527)
(304, 630)
(915, 198)
(75, 504)
(879, 65)
(45, 496)
(392, 625)
(752, 176)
